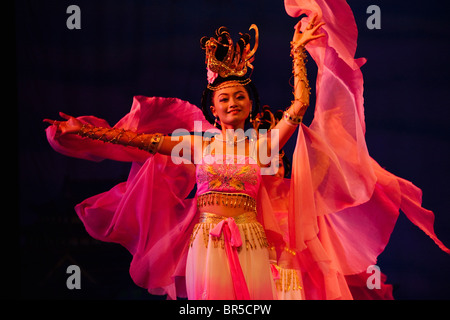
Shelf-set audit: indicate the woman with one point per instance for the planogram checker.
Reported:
(228, 256)
(326, 226)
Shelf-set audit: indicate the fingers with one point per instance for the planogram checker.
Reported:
(56, 122)
(311, 25)
(313, 20)
(50, 121)
(65, 116)
(315, 28)
(302, 38)
(317, 36)
(62, 115)
(298, 27)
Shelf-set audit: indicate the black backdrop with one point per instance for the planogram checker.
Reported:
(136, 47)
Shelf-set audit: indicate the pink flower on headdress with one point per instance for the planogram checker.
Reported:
(211, 76)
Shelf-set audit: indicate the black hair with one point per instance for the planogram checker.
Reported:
(207, 97)
(287, 165)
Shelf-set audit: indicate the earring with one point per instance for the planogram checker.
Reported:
(215, 122)
(251, 119)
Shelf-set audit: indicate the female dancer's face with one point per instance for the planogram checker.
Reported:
(231, 106)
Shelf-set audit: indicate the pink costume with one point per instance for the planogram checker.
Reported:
(247, 275)
(341, 205)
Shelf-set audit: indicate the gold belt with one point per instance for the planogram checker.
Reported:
(253, 232)
(232, 200)
(247, 217)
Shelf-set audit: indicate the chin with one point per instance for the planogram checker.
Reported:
(236, 122)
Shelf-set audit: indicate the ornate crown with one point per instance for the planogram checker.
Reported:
(225, 59)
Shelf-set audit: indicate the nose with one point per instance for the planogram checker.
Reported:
(232, 102)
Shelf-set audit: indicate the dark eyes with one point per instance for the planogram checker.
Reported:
(237, 98)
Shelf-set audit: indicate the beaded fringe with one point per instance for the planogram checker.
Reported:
(232, 200)
(254, 235)
(288, 280)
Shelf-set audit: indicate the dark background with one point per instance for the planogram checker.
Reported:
(137, 47)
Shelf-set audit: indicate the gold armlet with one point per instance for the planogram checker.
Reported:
(146, 142)
(291, 119)
(109, 135)
(154, 143)
(299, 60)
(298, 52)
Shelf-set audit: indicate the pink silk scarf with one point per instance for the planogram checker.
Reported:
(330, 221)
(232, 240)
(343, 205)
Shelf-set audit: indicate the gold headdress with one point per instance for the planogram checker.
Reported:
(226, 59)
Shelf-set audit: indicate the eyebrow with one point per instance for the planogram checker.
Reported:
(224, 93)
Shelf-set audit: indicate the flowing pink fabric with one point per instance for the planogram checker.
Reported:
(232, 239)
(343, 205)
(150, 213)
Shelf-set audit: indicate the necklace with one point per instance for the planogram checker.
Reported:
(229, 141)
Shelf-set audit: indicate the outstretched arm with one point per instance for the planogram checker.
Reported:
(147, 142)
(150, 142)
(294, 114)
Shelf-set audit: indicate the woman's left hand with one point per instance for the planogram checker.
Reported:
(302, 38)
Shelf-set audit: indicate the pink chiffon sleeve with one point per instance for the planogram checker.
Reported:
(152, 217)
(343, 206)
(147, 115)
(150, 214)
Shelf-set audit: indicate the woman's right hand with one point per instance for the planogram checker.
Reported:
(71, 125)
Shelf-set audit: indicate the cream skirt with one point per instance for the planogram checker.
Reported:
(208, 272)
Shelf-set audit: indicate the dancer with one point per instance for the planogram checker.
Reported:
(228, 254)
(341, 205)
